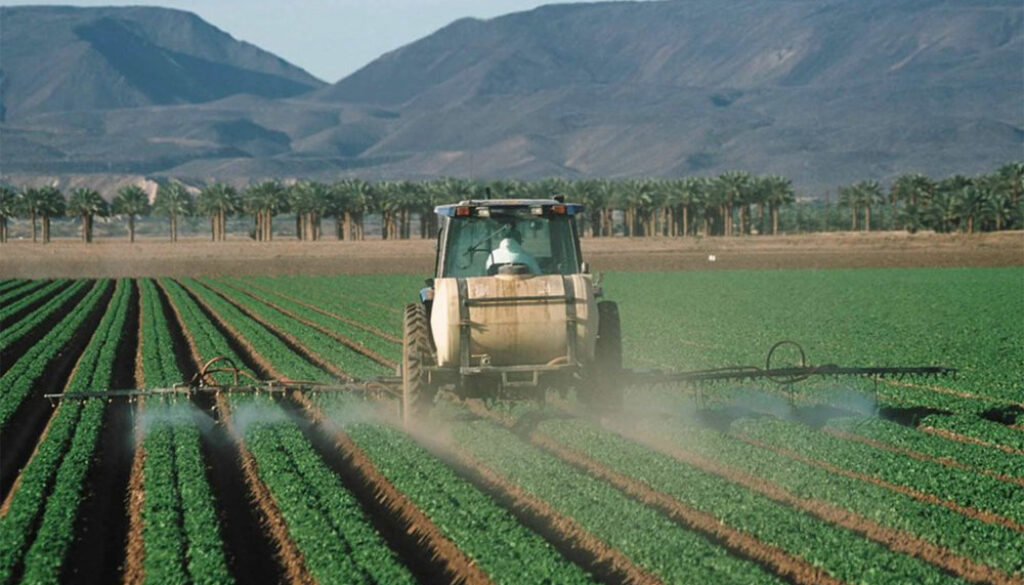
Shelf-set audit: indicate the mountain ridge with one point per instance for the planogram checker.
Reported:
(825, 93)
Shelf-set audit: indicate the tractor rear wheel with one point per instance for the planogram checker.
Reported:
(606, 373)
(417, 355)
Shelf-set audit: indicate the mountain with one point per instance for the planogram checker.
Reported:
(61, 58)
(825, 92)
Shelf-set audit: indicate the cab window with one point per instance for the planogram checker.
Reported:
(546, 239)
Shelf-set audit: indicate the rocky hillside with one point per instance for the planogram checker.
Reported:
(60, 58)
(823, 91)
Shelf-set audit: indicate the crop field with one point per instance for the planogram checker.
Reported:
(830, 481)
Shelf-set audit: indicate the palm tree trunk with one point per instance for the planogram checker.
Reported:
(3, 230)
(131, 228)
(775, 220)
(46, 229)
(867, 218)
(33, 215)
(88, 230)
(853, 218)
(686, 220)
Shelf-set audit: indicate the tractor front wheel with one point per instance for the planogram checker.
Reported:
(417, 392)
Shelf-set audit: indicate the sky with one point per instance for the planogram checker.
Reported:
(328, 38)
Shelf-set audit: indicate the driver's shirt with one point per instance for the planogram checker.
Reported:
(510, 252)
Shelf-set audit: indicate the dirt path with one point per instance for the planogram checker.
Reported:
(199, 257)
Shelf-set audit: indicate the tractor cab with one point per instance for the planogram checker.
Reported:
(521, 236)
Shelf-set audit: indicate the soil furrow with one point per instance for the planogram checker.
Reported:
(322, 311)
(923, 457)
(738, 542)
(983, 515)
(458, 567)
(97, 553)
(250, 528)
(606, 563)
(942, 390)
(952, 436)
(134, 547)
(347, 342)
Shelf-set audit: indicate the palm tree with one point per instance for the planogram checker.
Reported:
(9, 202)
(310, 201)
(265, 200)
(131, 200)
(174, 201)
(848, 197)
(48, 204)
(971, 202)
(778, 192)
(218, 201)
(733, 187)
(869, 193)
(87, 203)
(29, 203)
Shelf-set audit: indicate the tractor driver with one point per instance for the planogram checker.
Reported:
(510, 251)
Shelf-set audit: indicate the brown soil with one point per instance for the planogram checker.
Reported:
(199, 257)
(941, 390)
(459, 567)
(97, 553)
(738, 542)
(983, 515)
(924, 457)
(967, 439)
(289, 557)
(572, 541)
(382, 334)
(349, 343)
(135, 551)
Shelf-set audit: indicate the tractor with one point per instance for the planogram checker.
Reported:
(512, 310)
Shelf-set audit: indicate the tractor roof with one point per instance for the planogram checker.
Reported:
(545, 204)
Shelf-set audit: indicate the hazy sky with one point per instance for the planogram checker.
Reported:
(328, 38)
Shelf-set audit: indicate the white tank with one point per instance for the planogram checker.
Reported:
(517, 330)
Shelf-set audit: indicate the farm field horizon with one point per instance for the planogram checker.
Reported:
(828, 481)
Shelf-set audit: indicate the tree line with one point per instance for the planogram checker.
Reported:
(733, 203)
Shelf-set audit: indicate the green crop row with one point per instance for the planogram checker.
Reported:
(19, 380)
(12, 289)
(13, 333)
(965, 488)
(846, 555)
(346, 296)
(381, 345)
(8, 283)
(337, 541)
(467, 517)
(976, 456)
(9, 310)
(330, 349)
(62, 462)
(181, 535)
(978, 428)
(274, 349)
(651, 540)
(986, 543)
